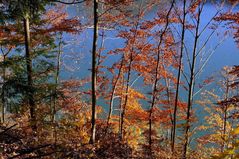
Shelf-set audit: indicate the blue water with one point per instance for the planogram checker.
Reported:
(77, 55)
(76, 58)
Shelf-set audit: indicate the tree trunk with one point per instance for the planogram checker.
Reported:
(191, 85)
(167, 84)
(3, 91)
(113, 93)
(127, 81)
(225, 118)
(57, 78)
(156, 78)
(178, 77)
(30, 94)
(53, 118)
(126, 93)
(93, 75)
(121, 104)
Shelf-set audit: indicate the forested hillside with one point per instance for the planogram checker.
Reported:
(119, 79)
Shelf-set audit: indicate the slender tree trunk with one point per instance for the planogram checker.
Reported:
(28, 57)
(191, 84)
(58, 65)
(100, 51)
(93, 76)
(3, 91)
(98, 56)
(126, 95)
(113, 93)
(121, 104)
(225, 117)
(128, 80)
(156, 78)
(178, 78)
(169, 102)
(55, 90)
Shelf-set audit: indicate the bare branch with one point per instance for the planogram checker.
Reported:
(73, 2)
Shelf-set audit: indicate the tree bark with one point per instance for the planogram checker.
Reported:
(156, 78)
(178, 77)
(126, 97)
(28, 57)
(3, 91)
(57, 73)
(93, 75)
(113, 93)
(131, 58)
(57, 77)
(191, 84)
(225, 117)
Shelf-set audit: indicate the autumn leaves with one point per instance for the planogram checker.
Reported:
(143, 104)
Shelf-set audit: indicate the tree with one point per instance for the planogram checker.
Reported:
(93, 76)
(156, 75)
(178, 76)
(145, 65)
(28, 10)
(219, 123)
